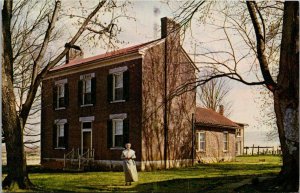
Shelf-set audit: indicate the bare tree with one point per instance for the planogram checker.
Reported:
(215, 93)
(30, 51)
(258, 36)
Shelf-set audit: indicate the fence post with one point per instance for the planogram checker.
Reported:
(246, 150)
(252, 149)
(257, 150)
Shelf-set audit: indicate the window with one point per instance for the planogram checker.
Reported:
(200, 141)
(60, 94)
(117, 130)
(60, 134)
(118, 86)
(87, 90)
(238, 132)
(117, 133)
(225, 140)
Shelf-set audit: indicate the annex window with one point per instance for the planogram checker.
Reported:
(238, 132)
(60, 134)
(87, 89)
(225, 140)
(118, 131)
(200, 141)
(118, 84)
(60, 94)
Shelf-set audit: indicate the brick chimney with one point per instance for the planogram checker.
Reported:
(170, 29)
(74, 52)
(221, 110)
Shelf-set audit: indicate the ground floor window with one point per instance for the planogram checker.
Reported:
(200, 141)
(225, 140)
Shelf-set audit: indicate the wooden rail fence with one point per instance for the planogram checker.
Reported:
(262, 150)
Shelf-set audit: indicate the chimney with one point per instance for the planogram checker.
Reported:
(169, 27)
(74, 52)
(221, 110)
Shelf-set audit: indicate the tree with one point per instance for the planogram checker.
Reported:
(27, 45)
(213, 94)
(284, 87)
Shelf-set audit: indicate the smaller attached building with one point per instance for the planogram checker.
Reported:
(215, 136)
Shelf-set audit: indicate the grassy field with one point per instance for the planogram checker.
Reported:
(220, 177)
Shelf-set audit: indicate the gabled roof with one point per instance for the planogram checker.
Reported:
(108, 55)
(208, 117)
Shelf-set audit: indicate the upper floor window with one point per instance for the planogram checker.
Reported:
(117, 131)
(225, 140)
(60, 94)
(60, 133)
(238, 132)
(87, 89)
(200, 141)
(118, 84)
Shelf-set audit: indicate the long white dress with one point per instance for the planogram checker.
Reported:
(129, 165)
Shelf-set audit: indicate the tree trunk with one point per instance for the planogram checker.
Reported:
(16, 161)
(13, 133)
(286, 98)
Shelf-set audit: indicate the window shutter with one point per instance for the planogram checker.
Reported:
(66, 135)
(125, 131)
(93, 83)
(109, 87)
(54, 136)
(109, 133)
(66, 95)
(54, 97)
(80, 87)
(126, 83)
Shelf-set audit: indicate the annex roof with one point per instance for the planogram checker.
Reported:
(208, 117)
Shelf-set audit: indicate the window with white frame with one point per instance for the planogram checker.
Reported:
(87, 91)
(60, 142)
(118, 86)
(225, 140)
(117, 127)
(60, 94)
(238, 132)
(200, 141)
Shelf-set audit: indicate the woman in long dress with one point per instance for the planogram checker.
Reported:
(129, 166)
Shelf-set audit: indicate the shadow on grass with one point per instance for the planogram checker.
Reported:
(188, 185)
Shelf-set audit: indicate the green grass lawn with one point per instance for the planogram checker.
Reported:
(200, 178)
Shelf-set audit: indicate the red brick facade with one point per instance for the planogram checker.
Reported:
(143, 106)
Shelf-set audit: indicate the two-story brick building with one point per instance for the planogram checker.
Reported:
(92, 106)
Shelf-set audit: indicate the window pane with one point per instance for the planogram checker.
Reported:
(60, 130)
(202, 136)
(118, 140)
(61, 142)
(118, 93)
(87, 86)
(88, 98)
(202, 145)
(119, 80)
(118, 127)
(87, 125)
(61, 102)
(61, 90)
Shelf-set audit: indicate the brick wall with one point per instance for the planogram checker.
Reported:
(101, 111)
(214, 148)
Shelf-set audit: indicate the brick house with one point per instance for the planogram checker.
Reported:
(217, 137)
(92, 106)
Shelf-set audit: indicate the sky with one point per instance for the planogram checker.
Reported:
(245, 109)
(147, 16)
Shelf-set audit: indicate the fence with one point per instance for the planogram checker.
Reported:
(262, 150)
